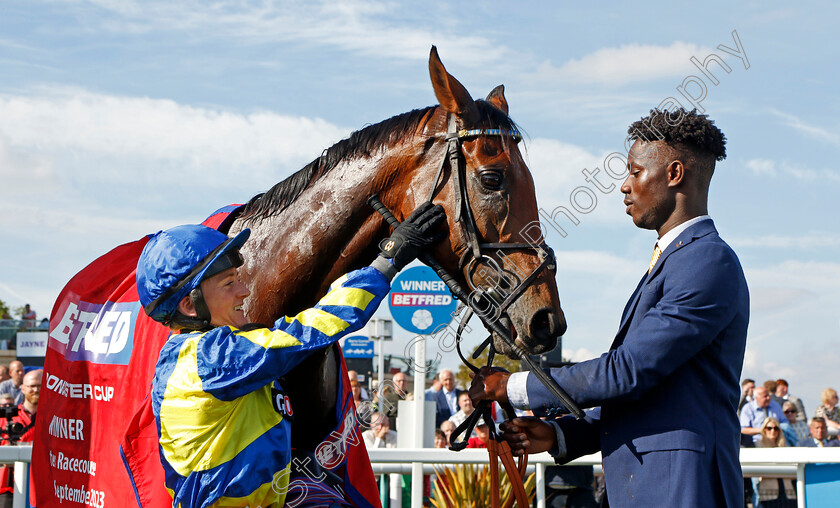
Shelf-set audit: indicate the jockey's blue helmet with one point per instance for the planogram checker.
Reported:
(174, 262)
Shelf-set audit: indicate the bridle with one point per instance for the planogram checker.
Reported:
(470, 259)
(473, 255)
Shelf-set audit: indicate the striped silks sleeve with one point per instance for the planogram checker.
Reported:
(232, 362)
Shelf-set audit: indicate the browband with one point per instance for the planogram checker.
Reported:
(469, 133)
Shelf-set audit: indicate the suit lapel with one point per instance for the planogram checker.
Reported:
(692, 233)
(630, 308)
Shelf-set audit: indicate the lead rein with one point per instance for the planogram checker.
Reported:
(493, 325)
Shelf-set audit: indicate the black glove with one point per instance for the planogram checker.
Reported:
(413, 235)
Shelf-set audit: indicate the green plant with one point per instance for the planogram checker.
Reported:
(468, 485)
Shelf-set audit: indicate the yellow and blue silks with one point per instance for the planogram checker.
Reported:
(222, 443)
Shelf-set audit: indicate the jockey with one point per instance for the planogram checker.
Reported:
(221, 414)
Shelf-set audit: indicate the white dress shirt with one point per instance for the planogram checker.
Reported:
(451, 400)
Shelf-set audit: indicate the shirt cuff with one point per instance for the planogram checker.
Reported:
(517, 390)
(559, 449)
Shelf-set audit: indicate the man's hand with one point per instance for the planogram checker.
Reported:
(489, 384)
(528, 434)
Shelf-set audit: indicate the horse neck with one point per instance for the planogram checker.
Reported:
(398, 175)
(293, 257)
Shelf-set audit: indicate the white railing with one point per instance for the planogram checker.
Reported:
(21, 456)
(776, 462)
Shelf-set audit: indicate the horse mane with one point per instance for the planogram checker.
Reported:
(362, 142)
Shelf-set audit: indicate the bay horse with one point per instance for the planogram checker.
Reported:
(315, 226)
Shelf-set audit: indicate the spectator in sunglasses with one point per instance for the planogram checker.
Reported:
(793, 429)
(768, 491)
(782, 393)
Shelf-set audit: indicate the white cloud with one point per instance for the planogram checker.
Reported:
(628, 64)
(366, 28)
(793, 305)
(809, 241)
(555, 164)
(811, 275)
(85, 172)
(812, 131)
(24, 172)
(766, 167)
(109, 223)
(89, 140)
(68, 119)
(558, 171)
(762, 167)
(598, 262)
(13, 44)
(769, 299)
(579, 355)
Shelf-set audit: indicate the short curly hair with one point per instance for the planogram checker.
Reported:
(683, 127)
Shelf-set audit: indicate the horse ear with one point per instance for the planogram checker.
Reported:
(496, 97)
(449, 91)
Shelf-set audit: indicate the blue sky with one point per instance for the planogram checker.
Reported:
(120, 118)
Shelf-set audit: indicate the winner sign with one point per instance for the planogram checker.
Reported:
(420, 302)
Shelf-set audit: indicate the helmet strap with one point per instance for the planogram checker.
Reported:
(186, 323)
(201, 310)
(199, 322)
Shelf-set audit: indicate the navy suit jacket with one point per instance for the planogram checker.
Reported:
(442, 411)
(808, 442)
(665, 396)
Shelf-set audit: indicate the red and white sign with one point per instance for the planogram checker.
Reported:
(101, 352)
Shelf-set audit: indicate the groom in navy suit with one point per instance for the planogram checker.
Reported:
(663, 399)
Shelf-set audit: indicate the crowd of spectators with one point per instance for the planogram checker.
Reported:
(28, 322)
(18, 408)
(772, 402)
(771, 418)
(12, 385)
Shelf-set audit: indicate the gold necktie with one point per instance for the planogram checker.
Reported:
(820, 443)
(654, 257)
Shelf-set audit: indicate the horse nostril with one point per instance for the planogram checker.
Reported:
(545, 326)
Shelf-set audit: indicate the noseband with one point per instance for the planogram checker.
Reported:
(462, 208)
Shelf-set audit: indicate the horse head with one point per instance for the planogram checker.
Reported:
(316, 225)
(495, 246)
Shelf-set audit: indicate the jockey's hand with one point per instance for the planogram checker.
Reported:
(528, 434)
(490, 383)
(420, 230)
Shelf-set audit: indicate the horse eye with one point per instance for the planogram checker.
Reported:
(492, 179)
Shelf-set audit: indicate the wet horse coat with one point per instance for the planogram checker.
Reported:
(307, 231)
(315, 226)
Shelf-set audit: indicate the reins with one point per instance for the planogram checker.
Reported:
(497, 447)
